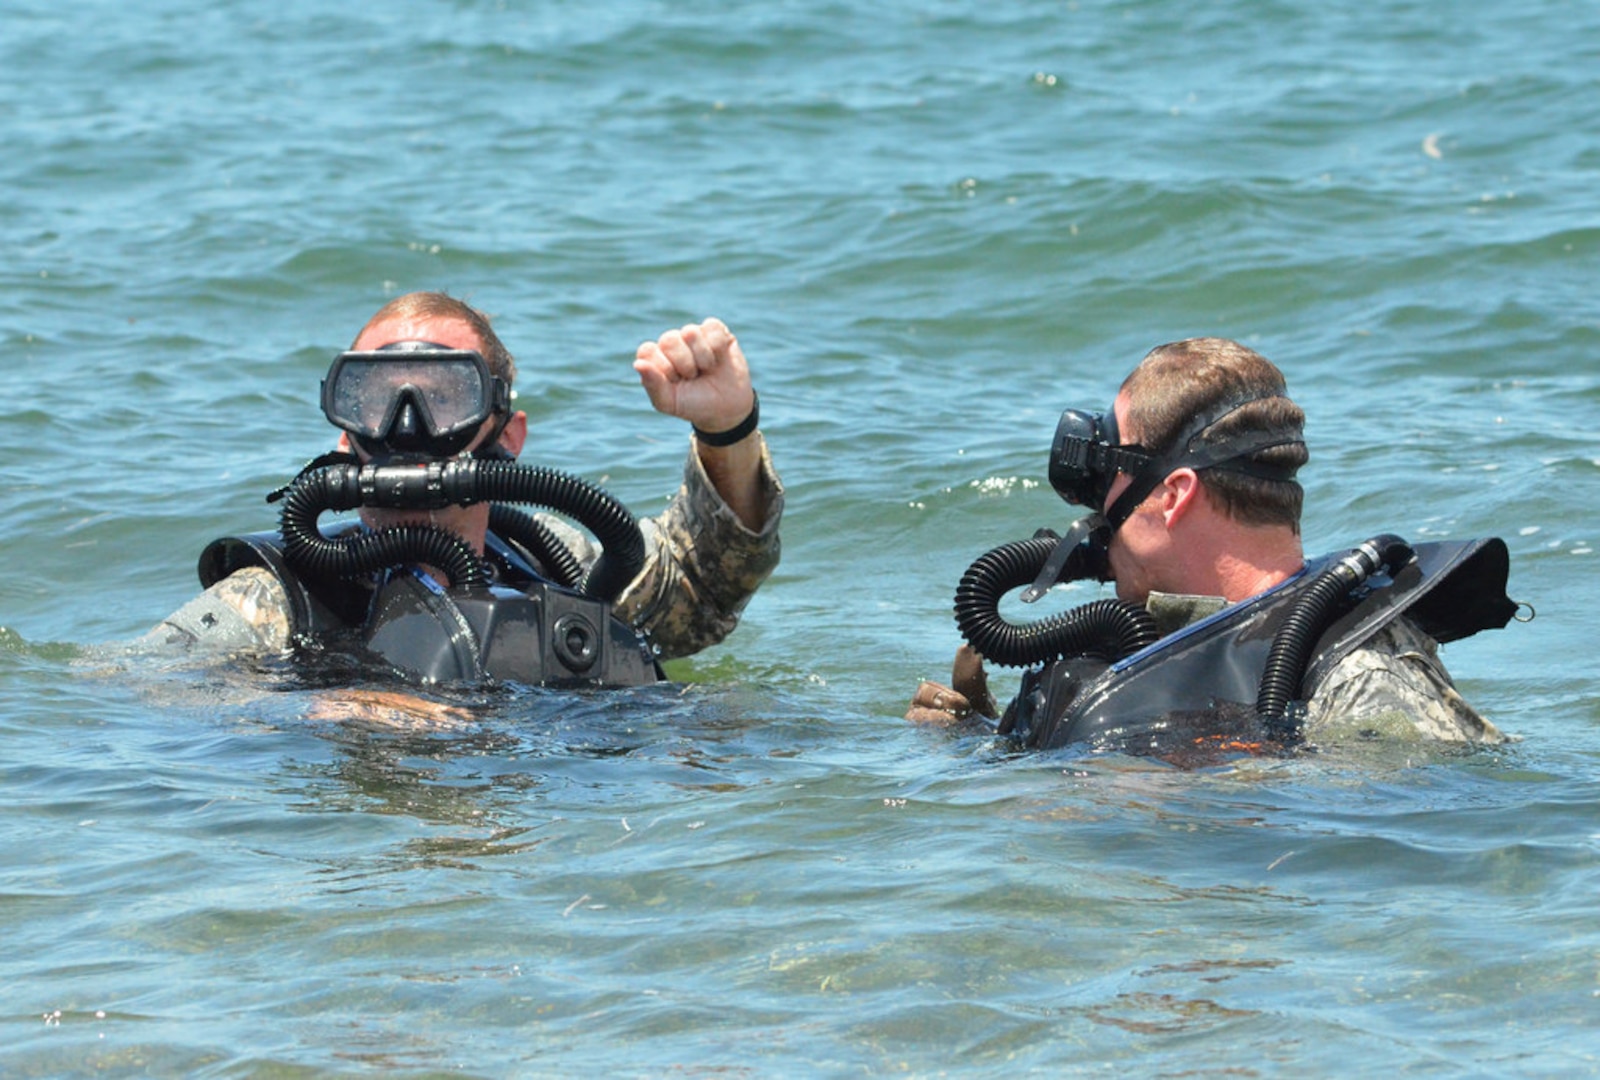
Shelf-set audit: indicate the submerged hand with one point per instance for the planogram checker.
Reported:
(697, 373)
(387, 709)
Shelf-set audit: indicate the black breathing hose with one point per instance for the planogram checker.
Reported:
(435, 485)
(306, 548)
(614, 526)
(555, 558)
(1109, 629)
(1311, 615)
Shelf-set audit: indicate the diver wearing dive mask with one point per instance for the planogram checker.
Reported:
(1196, 517)
(1087, 457)
(430, 396)
(428, 438)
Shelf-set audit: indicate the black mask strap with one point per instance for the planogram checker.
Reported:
(1231, 454)
(1081, 554)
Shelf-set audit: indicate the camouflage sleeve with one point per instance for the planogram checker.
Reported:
(246, 612)
(1395, 685)
(702, 564)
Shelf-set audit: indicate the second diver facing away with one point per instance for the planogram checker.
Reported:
(1222, 634)
(446, 577)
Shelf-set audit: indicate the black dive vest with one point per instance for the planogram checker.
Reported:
(1201, 682)
(523, 629)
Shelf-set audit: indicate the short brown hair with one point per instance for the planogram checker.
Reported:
(438, 305)
(1178, 381)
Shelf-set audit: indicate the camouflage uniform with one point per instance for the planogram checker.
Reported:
(1394, 684)
(701, 567)
(701, 564)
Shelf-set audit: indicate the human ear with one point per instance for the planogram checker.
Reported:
(1180, 492)
(515, 433)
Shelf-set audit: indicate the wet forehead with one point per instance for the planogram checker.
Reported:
(451, 333)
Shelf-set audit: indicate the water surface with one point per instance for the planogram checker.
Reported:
(933, 227)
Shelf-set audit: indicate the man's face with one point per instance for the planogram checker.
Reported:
(1137, 548)
(468, 521)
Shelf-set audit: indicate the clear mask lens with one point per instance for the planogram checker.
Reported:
(432, 399)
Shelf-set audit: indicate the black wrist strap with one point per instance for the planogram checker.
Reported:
(738, 431)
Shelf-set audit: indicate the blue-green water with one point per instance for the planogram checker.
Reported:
(933, 226)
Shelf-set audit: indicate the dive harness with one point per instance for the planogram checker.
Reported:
(1109, 681)
(527, 613)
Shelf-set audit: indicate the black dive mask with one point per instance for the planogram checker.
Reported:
(1084, 461)
(1086, 457)
(414, 400)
